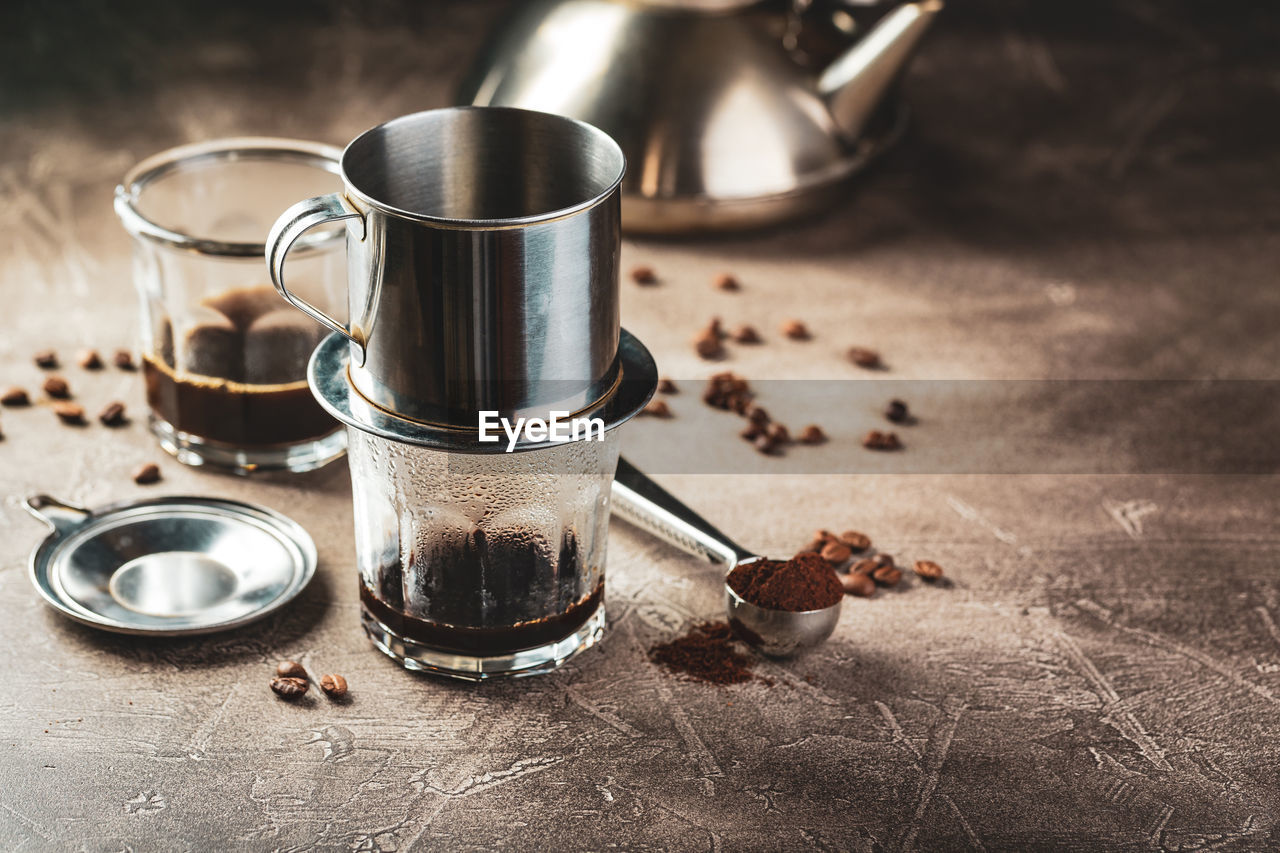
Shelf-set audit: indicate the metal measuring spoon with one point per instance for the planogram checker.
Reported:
(777, 633)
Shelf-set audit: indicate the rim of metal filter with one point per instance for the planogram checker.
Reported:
(328, 375)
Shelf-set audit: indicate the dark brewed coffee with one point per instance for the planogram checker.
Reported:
(486, 593)
(239, 375)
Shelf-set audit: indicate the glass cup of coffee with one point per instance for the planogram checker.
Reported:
(224, 357)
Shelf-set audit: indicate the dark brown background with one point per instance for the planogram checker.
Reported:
(1090, 191)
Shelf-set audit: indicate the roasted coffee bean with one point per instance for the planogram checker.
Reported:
(887, 576)
(708, 346)
(836, 552)
(746, 335)
(15, 396)
(741, 404)
(644, 275)
(57, 387)
(779, 433)
(855, 540)
(752, 431)
(796, 330)
(824, 534)
(334, 685)
(657, 409)
(766, 444)
(123, 359)
(897, 411)
(89, 359)
(865, 567)
(112, 414)
(147, 474)
(877, 440)
(812, 434)
(928, 569)
(666, 386)
(289, 688)
(856, 583)
(883, 559)
(726, 281)
(757, 415)
(291, 669)
(864, 357)
(47, 359)
(69, 413)
(727, 391)
(814, 547)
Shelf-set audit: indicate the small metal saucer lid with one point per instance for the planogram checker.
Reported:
(327, 373)
(169, 566)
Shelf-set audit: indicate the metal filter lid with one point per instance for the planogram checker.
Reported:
(169, 566)
(329, 376)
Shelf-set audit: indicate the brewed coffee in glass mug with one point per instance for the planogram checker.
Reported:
(224, 357)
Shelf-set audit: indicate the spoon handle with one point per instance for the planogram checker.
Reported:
(647, 505)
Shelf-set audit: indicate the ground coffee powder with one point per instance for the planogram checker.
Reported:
(706, 653)
(805, 582)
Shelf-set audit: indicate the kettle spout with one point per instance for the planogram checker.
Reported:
(854, 84)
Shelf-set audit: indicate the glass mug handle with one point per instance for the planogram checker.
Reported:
(291, 225)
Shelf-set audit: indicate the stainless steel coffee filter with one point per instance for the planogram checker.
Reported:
(483, 254)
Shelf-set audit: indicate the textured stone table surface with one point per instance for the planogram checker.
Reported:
(1090, 196)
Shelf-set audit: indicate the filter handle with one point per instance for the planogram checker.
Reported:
(291, 225)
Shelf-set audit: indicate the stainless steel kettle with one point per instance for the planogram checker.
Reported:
(721, 125)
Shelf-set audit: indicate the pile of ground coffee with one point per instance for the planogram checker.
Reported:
(805, 582)
(707, 654)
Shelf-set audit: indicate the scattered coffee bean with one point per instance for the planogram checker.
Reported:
(836, 552)
(741, 405)
(746, 335)
(887, 576)
(147, 474)
(864, 567)
(812, 434)
(57, 387)
(779, 433)
(796, 330)
(864, 357)
(291, 669)
(727, 391)
(666, 386)
(855, 540)
(859, 584)
(877, 440)
(69, 413)
(752, 431)
(289, 688)
(708, 346)
(928, 569)
(757, 415)
(766, 443)
(47, 359)
(824, 535)
(897, 411)
(123, 359)
(334, 685)
(814, 547)
(15, 397)
(883, 559)
(644, 275)
(726, 281)
(112, 414)
(89, 359)
(657, 409)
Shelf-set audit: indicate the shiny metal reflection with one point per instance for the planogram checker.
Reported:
(722, 127)
(168, 566)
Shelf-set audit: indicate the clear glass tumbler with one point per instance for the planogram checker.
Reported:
(481, 565)
(224, 356)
